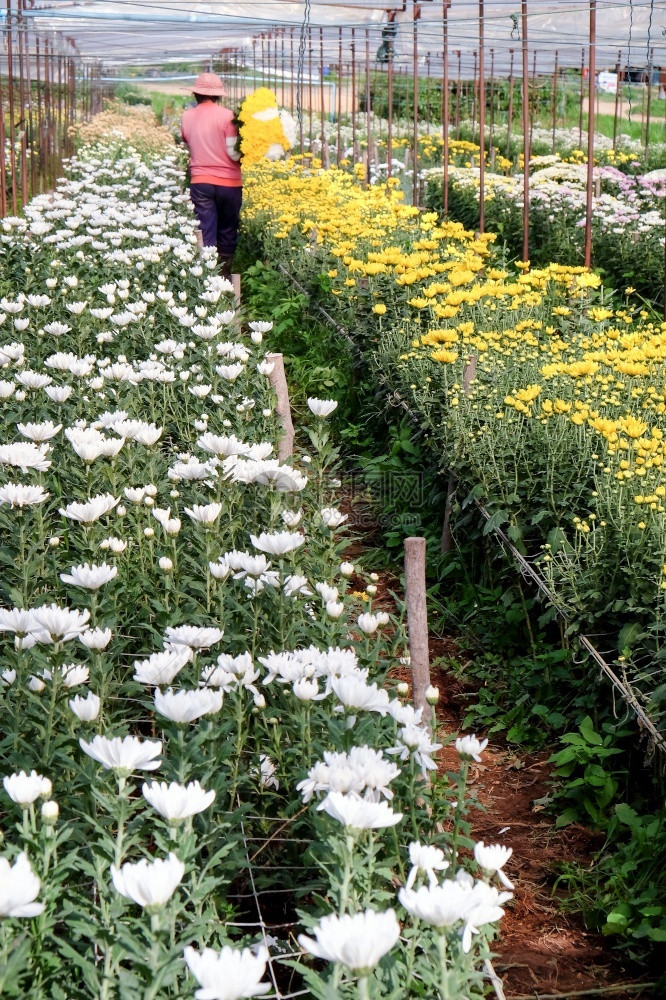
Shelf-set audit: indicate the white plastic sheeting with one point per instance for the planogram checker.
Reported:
(141, 31)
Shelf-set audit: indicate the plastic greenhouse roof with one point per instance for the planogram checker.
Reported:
(151, 32)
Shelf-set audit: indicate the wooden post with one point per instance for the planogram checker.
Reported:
(590, 133)
(417, 624)
(236, 282)
(278, 380)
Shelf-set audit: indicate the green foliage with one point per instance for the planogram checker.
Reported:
(589, 786)
(623, 893)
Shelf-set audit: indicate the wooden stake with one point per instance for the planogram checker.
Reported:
(278, 380)
(417, 624)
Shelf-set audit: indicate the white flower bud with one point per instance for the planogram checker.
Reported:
(149, 532)
(403, 689)
(432, 695)
(165, 564)
(347, 568)
(50, 812)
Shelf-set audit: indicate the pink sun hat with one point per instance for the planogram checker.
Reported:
(209, 84)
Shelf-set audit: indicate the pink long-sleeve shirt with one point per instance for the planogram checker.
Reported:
(206, 129)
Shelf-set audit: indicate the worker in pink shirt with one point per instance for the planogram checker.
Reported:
(215, 175)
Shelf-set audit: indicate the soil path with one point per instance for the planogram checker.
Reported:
(541, 950)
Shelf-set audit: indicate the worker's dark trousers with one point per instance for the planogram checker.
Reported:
(218, 210)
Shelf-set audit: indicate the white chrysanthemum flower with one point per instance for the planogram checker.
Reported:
(193, 636)
(427, 859)
(19, 887)
(92, 510)
(355, 693)
(358, 814)
(25, 455)
(90, 577)
(470, 746)
(96, 638)
(493, 858)
(205, 514)
(18, 495)
(414, 741)
(322, 407)
(124, 755)
(368, 623)
(230, 974)
(177, 802)
(86, 709)
(332, 517)
(161, 668)
(357, 940)
(39, 432)
(151, 884)
(51, 623)
(24, 788)
(187, 706)
(277, 543)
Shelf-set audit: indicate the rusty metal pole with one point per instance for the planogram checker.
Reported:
(649, 102)
(389, 123)
(510, 109)
(324, 159)
(310, 92)
(580, 112)
(368, 138)
(526, 134)
(291, 72)
(590, 134)
(617, 98)
(3, 171)
(554, 101)
(23, 100)
(10, 93)
(445, 105)
(482, 120)
(492, 99)
(474, 92)
(415, 104)
(534, 100)
(339, 95)
(458, 94)
(353, 89)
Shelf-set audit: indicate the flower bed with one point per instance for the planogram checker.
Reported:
(195, 703)
(627, 213)
(561, 432)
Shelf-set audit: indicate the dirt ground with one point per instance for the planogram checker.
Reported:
(542, 952)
